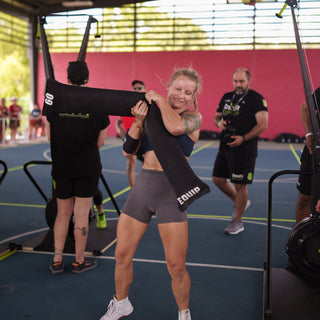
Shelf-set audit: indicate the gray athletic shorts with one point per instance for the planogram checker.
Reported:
(153, 194)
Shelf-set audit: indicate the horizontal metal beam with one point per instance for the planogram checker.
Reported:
(20, 9)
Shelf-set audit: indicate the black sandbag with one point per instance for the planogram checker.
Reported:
(63, 98)
(188, 187)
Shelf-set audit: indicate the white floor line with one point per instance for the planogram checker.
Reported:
(190, 264)
(23, 234)
(46, 154)
(32, 232)
(154, 261)
(283, 180)
(209, 178)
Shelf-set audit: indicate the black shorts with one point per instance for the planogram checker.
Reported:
(83, 187)
(304, 181)
(238, 166)
(14, 124)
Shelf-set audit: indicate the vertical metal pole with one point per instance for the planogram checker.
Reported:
(85, 40)
(45, 51)
(135, 28)
(314, 117)
(33, 52)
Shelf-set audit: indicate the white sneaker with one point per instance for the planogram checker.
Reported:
(234, 210)
(118, 309)
(184, 315)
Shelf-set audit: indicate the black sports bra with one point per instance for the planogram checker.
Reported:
(184, 141)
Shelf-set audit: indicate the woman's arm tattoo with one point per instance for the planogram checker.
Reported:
(192, 122)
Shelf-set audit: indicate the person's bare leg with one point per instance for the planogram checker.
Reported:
(226, 187)
(61, 226)
(129, 233)
(81, 226)
(13, 135)
(174, 238)
(241, 200)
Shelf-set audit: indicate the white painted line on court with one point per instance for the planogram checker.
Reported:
(189, 217)
(244, 221)
(281, 180)
(46, 154)
(284, 180)
(219, 266)
(190, 264)
(154, 261)
(201, 265)
(23, 235)
(114, 171)
(256, 169)
(32, 232)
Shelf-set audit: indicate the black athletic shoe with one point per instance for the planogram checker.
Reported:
(56, 267)
(87, 264)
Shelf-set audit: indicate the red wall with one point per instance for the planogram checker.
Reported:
(275, 74)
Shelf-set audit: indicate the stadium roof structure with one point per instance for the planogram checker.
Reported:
(26, 8)
(29, 10)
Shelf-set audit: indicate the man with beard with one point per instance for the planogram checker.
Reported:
(242, 115)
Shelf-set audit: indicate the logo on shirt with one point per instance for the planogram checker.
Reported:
(231, 109)
(75, 115)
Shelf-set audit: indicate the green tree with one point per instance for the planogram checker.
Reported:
(14, 73)
(14, 64)
(133, 28)
(142, 28)
(127, 28)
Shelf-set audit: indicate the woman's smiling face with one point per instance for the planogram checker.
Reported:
(181, 92)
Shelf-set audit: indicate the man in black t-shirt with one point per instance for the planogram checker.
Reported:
(75, 139)
(303, 208)
(241, 116)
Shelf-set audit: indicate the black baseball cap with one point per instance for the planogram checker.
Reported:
(137, 82)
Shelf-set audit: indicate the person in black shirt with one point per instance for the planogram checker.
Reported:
(75, 139)
(241, 116)
(303, 206)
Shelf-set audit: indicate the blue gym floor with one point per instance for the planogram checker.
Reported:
(226, 271)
